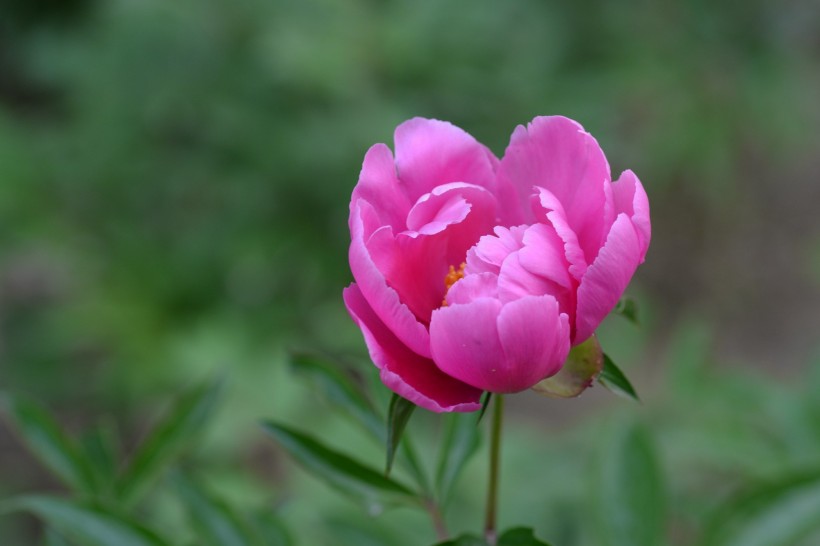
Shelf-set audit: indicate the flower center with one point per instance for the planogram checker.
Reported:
(452, 276)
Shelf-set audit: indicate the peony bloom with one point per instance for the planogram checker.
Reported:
(474, 274)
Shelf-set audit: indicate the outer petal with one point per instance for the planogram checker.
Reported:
(607, 277)
(379, 186)
(382, 298)
(430, 153)
(414, 377)
(465, 344)
(557, 154)
(535, 338)
(630, 197)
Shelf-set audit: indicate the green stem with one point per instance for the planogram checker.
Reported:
(438, 520)
(490, 534)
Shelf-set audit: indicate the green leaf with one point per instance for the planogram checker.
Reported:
(464, 540)
(778, 513)
(614, 380)
(53, 538)
(47, 441)
(583, 364)
(88, 526)
(629, 497)
(339, 389)
(628, 308)
(461, 441)
(168, 440)
(101, 450)
(272, 530)
(484, 405)
(214, 521)
(340, 471)
(398, 416)
(520, 536)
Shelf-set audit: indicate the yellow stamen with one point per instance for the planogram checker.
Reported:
(452, 277)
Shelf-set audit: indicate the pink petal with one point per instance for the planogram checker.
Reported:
(543, 254)
(430, 153)
(414, 264)
(491, 250)
(630, 198)
(548, 209)
(557, 154)
(379, 186)
(472, 287)
(516, 282)
(465, 344)
(607, 277)
(535, 338)
(403, 371)
(382, 298)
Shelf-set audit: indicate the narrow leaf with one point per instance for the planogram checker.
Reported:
(53, 538)
(629, 497)
(339, 470)
(47, 441)
(87, 526)
(339, 389)
(398, 416)
(461, 441)
(101, 450)
(215, 523)
(484, 405)
(583, 363)
(168, 440)
(613, 379)
(779, 513)
(464, 540)
(628, 308)
(520, 536)
(272, 530)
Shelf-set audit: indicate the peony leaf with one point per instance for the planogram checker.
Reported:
(484, 405)
(168, 440)
(613, 379)
(584, 363)
(398, 416)
(627, 308)
(271, 529)
(214, 521)
(464, 540)
(47, 441)
(461, 441)
(340, 471)
(629, 497)
(86, 525)
(778, 513)
(520, 536)
(339, 389)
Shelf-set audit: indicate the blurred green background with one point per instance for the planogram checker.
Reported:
(174, 189)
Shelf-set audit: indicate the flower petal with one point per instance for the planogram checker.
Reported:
(557, 154)
(379, 186)
(491, 250)
(548, 209)
(535, 337)
(430, 153)
(472, 287)
(607, 277)
(465, 344)
(371, 281)
(403, 371)
(630, 197)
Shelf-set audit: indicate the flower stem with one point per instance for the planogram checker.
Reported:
(490, 534)
(438, 520)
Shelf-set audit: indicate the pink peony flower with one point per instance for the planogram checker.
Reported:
(476, 274)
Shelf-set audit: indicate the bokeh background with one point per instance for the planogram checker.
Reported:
(174, 189)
